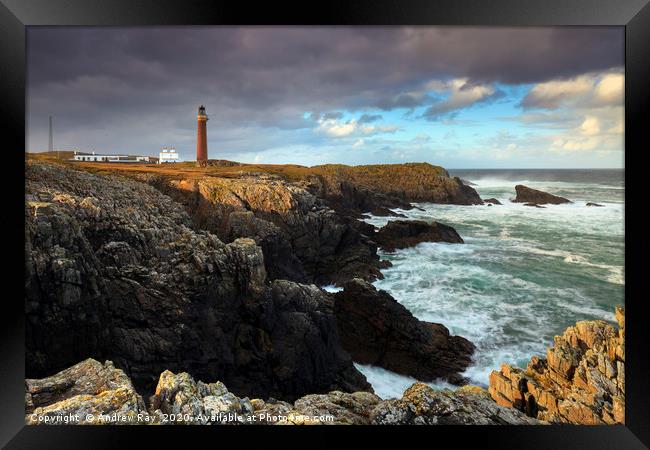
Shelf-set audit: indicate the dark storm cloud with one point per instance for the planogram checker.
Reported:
(332, 115)
(407, 101)
(270, 77)
(369, 118)
(450, 107)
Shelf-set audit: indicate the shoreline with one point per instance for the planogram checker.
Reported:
(488, 243)
(254, 225)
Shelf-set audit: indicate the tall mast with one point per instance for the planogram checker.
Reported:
(50, 146)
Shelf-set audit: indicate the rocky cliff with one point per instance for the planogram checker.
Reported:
(373, 187)
(302, 238)
(304, 218)
(176, 270)
(115, 269)
(581, 380)
(378, 330)
(95, 393)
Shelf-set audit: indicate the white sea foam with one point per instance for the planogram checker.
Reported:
(331, 288)
(523, 275)
(388, 385)
(616, 272)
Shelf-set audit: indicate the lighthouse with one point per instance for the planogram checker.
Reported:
(202, 136)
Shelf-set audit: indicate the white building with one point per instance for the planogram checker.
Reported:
(168, 155)
(98, 157)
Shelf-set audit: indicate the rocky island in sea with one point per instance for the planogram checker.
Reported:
(201, 289)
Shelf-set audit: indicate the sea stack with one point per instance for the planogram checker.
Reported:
(533, 197)
(202, 136)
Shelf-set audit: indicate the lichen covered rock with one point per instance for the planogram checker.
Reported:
(469, 405)
(302, 238)
(116, 270)
(82, 394)
(581, 380)
(180, 400)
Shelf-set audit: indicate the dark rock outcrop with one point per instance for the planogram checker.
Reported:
(536, 197)
(398, 234)
(114, 270)
(375, 329)
(491, 201)
(352, 200)
(180, 400)
(302, 239)
(304, 218)
(581, 380)
(367, 188)
(593, 204)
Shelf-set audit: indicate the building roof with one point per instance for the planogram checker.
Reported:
(107, 155)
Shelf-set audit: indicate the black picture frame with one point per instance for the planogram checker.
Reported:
(634, 15)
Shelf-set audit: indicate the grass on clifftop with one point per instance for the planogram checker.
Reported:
(369, 175)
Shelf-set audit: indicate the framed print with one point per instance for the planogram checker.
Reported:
(376, 215)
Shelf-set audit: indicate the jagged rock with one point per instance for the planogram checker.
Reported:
(378, 330)
(115, 271)
(491, 201)
(306, 346)
(581, 380)
(304, 218)
(302, 239)
(396, 184)
(353, 200)
(535, 197)
(408, 233)
(468, 405)
(180, 400)
(593, 204)
(279, 259)
(87, 388)
(196, 402)
(333, 408)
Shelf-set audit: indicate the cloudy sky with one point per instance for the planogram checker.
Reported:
(460, 97)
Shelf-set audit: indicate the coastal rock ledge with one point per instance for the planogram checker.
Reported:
(91, 393)
(581, 380)
(115, 271)
(376, 329)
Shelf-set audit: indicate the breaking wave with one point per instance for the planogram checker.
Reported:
(522, 276)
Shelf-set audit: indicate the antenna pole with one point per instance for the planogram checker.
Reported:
(50, 142)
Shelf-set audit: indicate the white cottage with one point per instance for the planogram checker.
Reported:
(168, 155)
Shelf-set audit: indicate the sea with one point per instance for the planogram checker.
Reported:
(523, 275)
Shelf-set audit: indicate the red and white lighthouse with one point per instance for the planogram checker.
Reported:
(202, 136)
